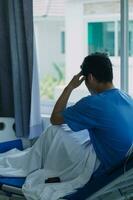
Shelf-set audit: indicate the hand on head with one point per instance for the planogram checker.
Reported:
(76, 81)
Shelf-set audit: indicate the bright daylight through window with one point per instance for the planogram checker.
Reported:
(66, 31)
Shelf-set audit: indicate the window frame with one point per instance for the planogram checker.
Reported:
(124, 54)
(62, 42)
(99, 18)
(124, 20)
(110, 18)
(115, 51)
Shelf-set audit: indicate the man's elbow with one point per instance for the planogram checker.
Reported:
(56, 120)
(53, 121)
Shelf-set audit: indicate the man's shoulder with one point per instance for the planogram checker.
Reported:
(90, 99)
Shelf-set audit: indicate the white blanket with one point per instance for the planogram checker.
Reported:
(57, 152)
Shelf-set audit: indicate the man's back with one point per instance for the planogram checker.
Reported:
(107, 113)
(109, 118)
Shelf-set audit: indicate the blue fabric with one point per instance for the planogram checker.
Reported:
(6, 146)
(12, 181)
(108, 116)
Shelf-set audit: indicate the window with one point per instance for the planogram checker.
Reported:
(130, 38)
(89, 26)
(101, 37)
(50, 39)
(130, 71)
(62, 42)
(104, 37)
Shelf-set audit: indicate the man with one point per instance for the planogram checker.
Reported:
(59, 156)
(107, 113)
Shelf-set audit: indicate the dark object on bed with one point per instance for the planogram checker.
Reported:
(53, 180)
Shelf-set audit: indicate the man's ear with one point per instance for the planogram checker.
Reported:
(90, 77)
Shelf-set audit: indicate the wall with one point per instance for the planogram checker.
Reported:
(74, 37)
(48, 44)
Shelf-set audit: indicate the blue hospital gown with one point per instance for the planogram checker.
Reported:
(108, 116)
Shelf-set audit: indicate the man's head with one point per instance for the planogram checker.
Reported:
(97, 69)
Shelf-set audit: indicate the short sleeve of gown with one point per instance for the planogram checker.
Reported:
(80, 116)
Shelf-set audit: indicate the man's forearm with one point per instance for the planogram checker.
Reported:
(60, 105)
(56, 117)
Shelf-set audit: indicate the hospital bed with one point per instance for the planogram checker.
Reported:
(10, 187)
(115, 184)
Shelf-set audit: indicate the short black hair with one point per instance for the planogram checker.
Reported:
(99, 65)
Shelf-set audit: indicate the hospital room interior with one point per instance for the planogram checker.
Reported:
(47, 152)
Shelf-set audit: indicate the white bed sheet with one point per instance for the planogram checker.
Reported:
(58, 152)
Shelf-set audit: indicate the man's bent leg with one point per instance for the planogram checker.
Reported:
(44, 142)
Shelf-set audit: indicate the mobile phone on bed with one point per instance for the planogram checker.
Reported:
(53, 180)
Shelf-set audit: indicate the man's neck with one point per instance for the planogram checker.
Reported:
(104, 86)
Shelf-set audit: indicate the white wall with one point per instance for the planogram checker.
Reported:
(48, 44)
(75, 49)
(74, 37)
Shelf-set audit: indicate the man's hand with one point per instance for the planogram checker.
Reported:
(76, 81)
(56, 117)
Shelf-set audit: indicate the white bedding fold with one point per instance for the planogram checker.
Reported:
(57, 152)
